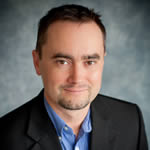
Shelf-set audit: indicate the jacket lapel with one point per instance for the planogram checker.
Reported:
(103, 135)
(40, 127)
(42, 131)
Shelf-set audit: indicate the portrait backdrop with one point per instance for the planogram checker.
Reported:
(127, 64)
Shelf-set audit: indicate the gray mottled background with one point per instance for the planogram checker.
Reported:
(127, 65)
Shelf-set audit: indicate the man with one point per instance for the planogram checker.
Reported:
(69, 114)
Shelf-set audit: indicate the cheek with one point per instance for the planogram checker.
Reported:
(96, 77)
(55, 78)
(95, 80)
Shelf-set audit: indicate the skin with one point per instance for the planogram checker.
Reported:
(71, 69)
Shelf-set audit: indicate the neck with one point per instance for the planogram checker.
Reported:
(73, 118)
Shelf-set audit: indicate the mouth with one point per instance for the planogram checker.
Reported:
(72, 90)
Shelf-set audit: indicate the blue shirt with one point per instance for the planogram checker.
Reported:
(65, 134)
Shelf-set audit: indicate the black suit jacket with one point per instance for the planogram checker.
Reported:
(116, 125)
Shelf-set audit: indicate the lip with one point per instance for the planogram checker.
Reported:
(75, 90)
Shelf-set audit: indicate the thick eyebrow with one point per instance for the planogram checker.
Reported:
(93, 56)
(61, 55)
(66, 56)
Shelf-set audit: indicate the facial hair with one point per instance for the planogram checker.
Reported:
(73, 103)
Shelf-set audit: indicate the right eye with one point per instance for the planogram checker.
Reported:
(62, 62)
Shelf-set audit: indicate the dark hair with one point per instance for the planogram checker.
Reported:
(74, 13)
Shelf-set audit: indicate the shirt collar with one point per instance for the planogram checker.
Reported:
(86, 125)
(59, 124)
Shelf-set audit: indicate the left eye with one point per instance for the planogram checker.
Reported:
(90, 62)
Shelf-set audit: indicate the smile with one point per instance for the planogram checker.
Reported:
(75, 90)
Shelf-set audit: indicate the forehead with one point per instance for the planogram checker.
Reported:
(74, 38)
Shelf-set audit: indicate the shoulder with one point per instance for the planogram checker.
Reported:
(114, 103)
(120, 113)
(18, 118)
(123, 117)
(117, 109)
(18, 112)
(14, 126)
(15, 122)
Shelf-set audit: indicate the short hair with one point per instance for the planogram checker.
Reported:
(72, 12)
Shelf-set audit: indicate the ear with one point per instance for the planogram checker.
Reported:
(36, 61)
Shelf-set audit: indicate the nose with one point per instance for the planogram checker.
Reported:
(76, 74)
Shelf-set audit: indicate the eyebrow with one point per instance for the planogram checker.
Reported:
(66, 56)
(93, 56)
(61, 55)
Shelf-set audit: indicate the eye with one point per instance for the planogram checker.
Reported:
(90, 62)
(62, 62)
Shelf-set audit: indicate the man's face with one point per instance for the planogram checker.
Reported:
(72, 64)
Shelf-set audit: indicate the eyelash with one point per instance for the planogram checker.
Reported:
(90, 62)
(62, 62)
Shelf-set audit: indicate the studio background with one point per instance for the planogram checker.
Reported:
(127, 64)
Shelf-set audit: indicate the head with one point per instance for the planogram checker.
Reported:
(69, 56)
(73, 13)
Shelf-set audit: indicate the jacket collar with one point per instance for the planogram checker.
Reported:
(103, 134)
(42, 131)
(40, 127)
